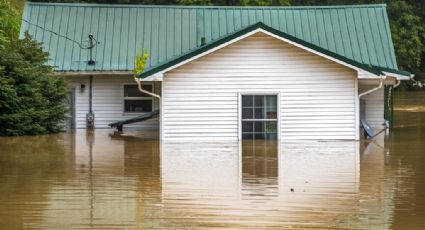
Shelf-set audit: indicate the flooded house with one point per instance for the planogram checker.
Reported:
(214, 73)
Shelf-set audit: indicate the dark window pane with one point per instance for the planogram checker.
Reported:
(133, 91)
(259, 136)
(247, 126)
(271, 101)
(259, 113)
(259, 101)
(247, 136)
(271, 136)
(247, 113)
(247, 101)
(137, 106)
(259, 126)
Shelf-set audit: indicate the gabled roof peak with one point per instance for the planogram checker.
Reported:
(261, 27)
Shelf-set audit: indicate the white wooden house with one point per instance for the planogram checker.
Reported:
(224, 73)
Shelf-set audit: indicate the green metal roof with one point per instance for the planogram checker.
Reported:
(259, 25)
(358, 33)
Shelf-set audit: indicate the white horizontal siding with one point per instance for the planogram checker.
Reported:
(108, 101)
(374, 104)
(317, 96)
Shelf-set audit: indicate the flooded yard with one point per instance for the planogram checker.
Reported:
(85, 180)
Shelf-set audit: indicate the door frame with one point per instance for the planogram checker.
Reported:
(72, 109)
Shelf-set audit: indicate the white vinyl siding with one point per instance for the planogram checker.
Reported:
(317, 96)
(108, 101)
(374, 104)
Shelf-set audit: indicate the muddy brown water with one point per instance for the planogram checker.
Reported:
(86, 180)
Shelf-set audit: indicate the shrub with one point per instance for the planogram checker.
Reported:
(31, 98)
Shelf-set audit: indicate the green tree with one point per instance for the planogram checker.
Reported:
(406, 33)
(194, 2)
(31, 98)
(9, 23)
(264, 2)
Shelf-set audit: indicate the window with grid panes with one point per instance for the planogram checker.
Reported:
(259, 117)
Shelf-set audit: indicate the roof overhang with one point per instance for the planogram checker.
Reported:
(398, 74)
(367, 71)
(92, 73)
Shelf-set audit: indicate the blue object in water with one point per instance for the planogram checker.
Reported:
(367, 129)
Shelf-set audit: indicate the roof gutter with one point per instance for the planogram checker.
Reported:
(381, 83)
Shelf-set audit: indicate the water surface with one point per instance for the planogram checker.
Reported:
(84, 180)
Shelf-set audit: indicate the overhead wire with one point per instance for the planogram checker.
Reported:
(63, 36)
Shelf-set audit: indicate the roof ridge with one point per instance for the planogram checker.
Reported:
(204, 7)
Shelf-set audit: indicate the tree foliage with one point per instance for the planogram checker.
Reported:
(408, 36)
(264, 2)
(31, 99)
(9, 23)
(140, 62)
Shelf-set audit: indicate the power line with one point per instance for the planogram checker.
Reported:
(60, 35)
(63, 36)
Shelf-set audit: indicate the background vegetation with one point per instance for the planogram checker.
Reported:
(31, 99)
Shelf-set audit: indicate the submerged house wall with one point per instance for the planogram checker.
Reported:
(317, 97)
(108, 101)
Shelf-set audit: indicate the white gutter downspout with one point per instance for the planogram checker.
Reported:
(381, 83)
(397, 84)
(139, 84)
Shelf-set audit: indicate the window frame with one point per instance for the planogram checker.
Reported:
(124, 98)
(240, 107)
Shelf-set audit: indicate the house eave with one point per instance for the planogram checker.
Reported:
(92, 73)
(399, 76)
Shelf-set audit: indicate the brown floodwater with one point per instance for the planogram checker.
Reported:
(84, 180)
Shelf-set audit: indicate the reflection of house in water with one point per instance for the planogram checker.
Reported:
(145, 184)
(142, 162)
(109, 186)
(377, 185)
(199, 181)
(293, 186)
(98, 154)
(319, 180)
(259, 168)
(314, 167)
